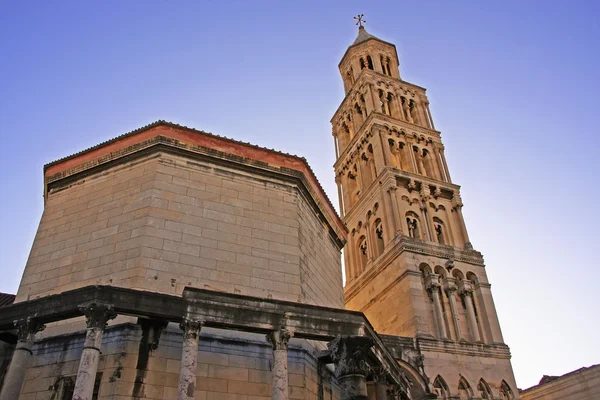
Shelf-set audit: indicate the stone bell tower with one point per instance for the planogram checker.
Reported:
(410, 266)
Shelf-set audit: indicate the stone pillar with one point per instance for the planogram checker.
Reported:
(380, 385)
(375, 97)
(13, 380)
(457, 205)
(406, 107)
(279, 339)
(438, 162)
(349, 353)
(425, 194)
(433, 285)
(429, 114)
(443, 157)
(96, 317)
(394, 200)
(450, 291)
(189, 356)
(466, 291)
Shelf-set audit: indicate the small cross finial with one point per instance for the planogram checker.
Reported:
(359, 20)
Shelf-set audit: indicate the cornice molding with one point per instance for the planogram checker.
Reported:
(401, 244)
(501, 351)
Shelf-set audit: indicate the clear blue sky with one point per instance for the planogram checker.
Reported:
(513, 87)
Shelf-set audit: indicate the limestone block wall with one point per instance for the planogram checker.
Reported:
(165, 221)
(231, 365)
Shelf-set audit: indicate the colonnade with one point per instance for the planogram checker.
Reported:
(348, 353)
(433, 285)
(407, 156)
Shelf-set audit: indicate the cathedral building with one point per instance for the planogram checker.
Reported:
(171, 263)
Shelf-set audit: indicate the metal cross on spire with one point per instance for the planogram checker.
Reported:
(359, 20)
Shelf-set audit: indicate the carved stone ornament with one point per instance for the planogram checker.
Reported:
(396, 393)
(425, 192)
(279, 339)
(97, 315)
(456, 200)
(412, 185)
(349, 353)
(190, 327)
(27, 327)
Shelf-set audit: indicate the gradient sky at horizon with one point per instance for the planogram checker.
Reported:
(513, 87)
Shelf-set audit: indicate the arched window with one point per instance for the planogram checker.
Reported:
(464, 389)
(440, 233)
(387, 65)
(413, 226)
(363, 252)
(505, 391)
(362, 63)
(441, 388)
(484, 389)
(382, 61)
(370, 62)
(379, 236)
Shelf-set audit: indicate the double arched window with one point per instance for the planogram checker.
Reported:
(412, 221)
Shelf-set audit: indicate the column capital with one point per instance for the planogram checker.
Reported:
(432, 282)
(450, 289)
(27, 327)
(349, 353)
(191, 327)
(97, 315)
(279, 338)
(465, 288)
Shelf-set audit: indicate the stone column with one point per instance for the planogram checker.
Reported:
(189, 356)
(438, 162)
(13, 380)
(457, 205)
(466, 291)
(96, 317)
(450, 291)
(394, 199)
(380, 383)
(375, 97)
(423, 114)
(443, 157)
(406, 107)
(433, 285)
(279, 339)
(425, 194)
(349, 353)
(429, 114)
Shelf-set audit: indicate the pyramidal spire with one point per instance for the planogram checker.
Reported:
(363, 36)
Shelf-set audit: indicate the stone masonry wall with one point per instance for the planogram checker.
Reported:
(165, 222)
